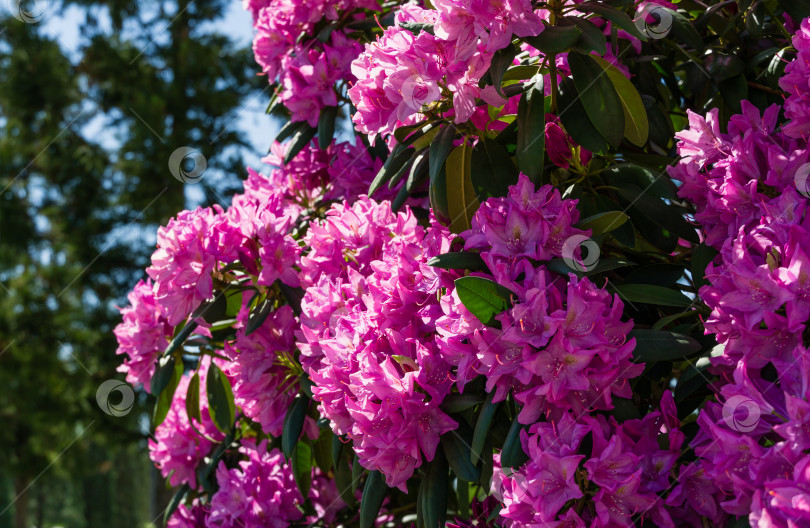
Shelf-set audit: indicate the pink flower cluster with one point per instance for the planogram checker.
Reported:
(750, 189)
(260, 491)
(366, 333)
(401, 74)
(177, 448)
(343, 171)
(142, 336)
(610, 482)
(563, 345)
(795, 82)
(307, 70)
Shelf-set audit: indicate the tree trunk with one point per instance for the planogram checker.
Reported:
(21, 484)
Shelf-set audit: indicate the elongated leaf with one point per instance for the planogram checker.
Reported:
(294, 424)
(259, 316)
(322, 449)
(175, 502)
(434, 491)
(659, 212)
(531, 134)
(162, 376)
(484, 298)
(461, 200)
(485, 416)
(501, 61)
(289, 129)
(576, 121)
(659, 345)
(619, 19)
(592, 38)
(636, 126)
(599, 97)
(395, 161)
(520, 73)
(326, 126)
(661, 323)
(684, 30)
(661, 274)
(164, 402)
(179, 339)
(555, 39)
(357, 473)
(440, 148)
(603, 222)
(650, 294)
(437, 192)
(373, 495)
(492, 168)
(456, 403)
(456, 445)
(558, 265)
(701, 257)
(459, 260)
(220, 398)
(512, 454)
(300, 140)
(193, 398)
(343, 479)
(302, 467)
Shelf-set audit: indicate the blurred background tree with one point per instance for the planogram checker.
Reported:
(85, 138)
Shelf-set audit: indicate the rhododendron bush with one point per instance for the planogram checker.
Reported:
(510, 263)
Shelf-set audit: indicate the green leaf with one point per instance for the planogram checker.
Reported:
(531, 134)
(603, 222)
(179, 339)
(437, 193)
(555, 39)
(302, 467)
(624, 409)
(162, 376)
(393, 164)
(175, 502)
(294, 424)
(326, 128)
(693, 378)
(373, 495)
(592, 38)
(576, 121)
(512, 454)
(459, 260)
(193, 398)
(306, 384)
(650, 294)
(797, 9)
(164, 402)
(290, 128)
(343, 478)
(461, 200)
(684, 30)
(220, 398)
(357, 472)
(636, 125)
(457, 450)
(440, 148)
(492, 169)
(259, 315)
(456, 403)
(485, 416)
(661, 323)
(619, 19)
(558, 265)
(661, 274)
(701, 257)
(484, 298)
(599, 97)
(322, 449)
(659, 345)
(520, 73)
(659, 212)
(501, 60)
(434, 492)
(300, 140)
